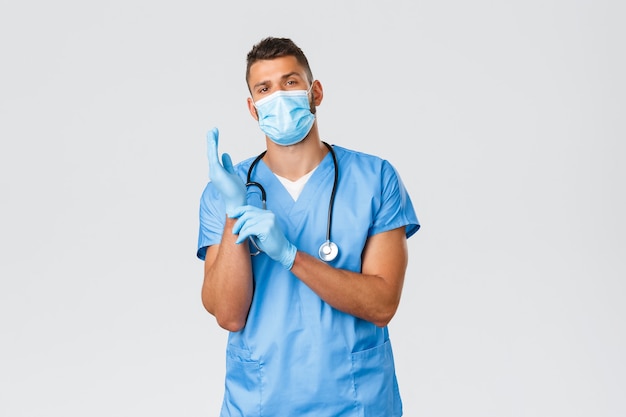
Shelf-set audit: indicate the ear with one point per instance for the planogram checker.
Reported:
(318, 93)
(252, 109)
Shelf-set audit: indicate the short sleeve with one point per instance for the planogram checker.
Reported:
(212, 219)
(396, 209)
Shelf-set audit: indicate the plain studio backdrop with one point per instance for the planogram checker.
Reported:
(504, 119)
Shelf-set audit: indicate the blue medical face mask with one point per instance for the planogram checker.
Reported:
(285, 116)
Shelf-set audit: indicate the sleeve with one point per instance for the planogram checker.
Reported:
(212, 219)
(396, 209)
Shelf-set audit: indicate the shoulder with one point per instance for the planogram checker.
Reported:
(354, 154)
(241, 168)
(350, 159)
(353, 157)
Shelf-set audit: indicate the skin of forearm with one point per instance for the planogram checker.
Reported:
(369, 297)
(228, 285)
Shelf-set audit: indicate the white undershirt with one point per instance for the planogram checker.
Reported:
(295, 187)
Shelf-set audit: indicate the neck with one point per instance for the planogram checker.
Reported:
(292, 162)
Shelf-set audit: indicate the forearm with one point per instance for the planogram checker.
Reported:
(367, 296)
(228, 285)
(374, 293)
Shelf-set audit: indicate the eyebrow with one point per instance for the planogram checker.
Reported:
(285, 76)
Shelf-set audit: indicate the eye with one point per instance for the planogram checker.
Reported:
(262, 90)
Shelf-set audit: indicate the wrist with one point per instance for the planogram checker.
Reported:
(289, 257)
(231, 209)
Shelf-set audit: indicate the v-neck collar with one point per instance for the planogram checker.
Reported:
(279, 198)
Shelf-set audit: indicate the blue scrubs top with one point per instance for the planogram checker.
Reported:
(297, 355)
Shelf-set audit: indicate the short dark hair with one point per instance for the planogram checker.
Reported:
(270, 48)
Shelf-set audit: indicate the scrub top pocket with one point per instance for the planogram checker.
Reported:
(243, 384)
(375, 382)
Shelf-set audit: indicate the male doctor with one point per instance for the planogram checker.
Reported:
(307, 308)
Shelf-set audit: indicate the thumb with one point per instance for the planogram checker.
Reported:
(228, 163)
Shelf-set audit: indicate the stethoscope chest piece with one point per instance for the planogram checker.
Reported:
(328, 251)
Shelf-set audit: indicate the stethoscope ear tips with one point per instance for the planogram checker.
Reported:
(328, 251)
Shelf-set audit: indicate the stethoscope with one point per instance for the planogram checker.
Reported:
(328, 250)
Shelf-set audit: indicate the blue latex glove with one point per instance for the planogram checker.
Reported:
(261, 225)
(231, 187)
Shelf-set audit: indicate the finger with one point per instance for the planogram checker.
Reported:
(248, 217)
(239, 211)
(242, 231)
(250, 224)
(211, 141)
(248, 229)
(228, 163)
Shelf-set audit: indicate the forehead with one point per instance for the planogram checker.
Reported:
(272, 69)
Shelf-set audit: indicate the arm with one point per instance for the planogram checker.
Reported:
(372, 295)
(227, 287)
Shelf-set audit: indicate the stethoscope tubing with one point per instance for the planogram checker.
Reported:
(331, 203)
(328, 251)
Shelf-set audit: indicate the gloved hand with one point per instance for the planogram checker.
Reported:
(262, 226)
(231, 187)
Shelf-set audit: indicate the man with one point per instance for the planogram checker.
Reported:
(307, 285)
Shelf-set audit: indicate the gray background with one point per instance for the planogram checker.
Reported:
(505, 120)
